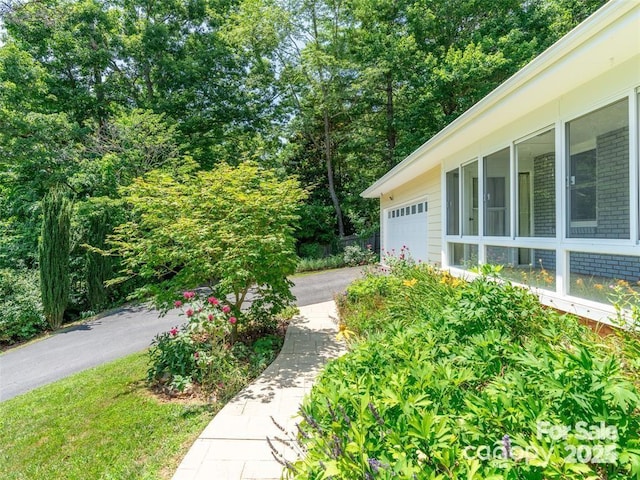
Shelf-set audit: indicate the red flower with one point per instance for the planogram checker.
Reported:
(226, 309)
(189, 312)
(177, 304)
(213, 300)
(189, 295)
(174, 331)
(233, 320)
(210, 317)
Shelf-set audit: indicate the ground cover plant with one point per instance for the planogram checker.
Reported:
(449, 379)
(100, 423)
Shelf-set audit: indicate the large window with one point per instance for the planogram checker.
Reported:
(537, 186)
(453, 202)
(598, 173)
(496, 190)
(470, 199)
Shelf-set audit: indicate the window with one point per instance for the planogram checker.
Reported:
(470, 199)
(598, 173)
(496, 188)
(582, 188)
(453, 202)
(536, 195)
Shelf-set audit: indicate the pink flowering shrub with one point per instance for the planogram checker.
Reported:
(195, 351)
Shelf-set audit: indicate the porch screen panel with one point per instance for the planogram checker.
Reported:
(536, 195)
(598, 173)
(497, 181)
(453, 202)
(470, 199)
(463, 255)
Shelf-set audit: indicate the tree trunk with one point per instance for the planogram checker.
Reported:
(328, 158)
(391, 129)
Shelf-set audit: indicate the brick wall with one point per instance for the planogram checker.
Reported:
(621, 267)
(545, 259)
(612, 190)
(544, 195)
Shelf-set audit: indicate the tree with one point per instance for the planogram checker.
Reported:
(54, 255)
(230, 229)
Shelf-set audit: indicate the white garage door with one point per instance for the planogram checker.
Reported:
(407, 226)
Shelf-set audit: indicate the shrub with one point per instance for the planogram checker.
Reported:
(314, 264)
(311, 250)
(204, 352)
(464, 381)
(198, 350)
(21, 315)
(355, 255)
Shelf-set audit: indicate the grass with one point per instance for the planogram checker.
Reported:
(101, 424)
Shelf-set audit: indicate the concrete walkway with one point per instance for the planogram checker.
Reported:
(234, 445)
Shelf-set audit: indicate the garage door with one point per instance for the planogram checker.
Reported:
(407, 226)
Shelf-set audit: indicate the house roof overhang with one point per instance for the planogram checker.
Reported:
(607, 38)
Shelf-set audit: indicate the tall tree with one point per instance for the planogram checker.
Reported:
(54, 255)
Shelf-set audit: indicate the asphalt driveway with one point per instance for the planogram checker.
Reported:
(122, 332)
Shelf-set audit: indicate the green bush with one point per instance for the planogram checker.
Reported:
(465, 381)
(21, 315)
(355, 255)
(314, 264)
(198, 351)
(311, 250)
(206, 352)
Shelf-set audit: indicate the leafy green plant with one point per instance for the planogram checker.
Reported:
(209, 351)
(465, 380)
(21, 315)
(53, 257)
(356, 255)
(325, 263)
(195, 352)
(230, 229)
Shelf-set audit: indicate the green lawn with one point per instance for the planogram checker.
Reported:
(98, 424)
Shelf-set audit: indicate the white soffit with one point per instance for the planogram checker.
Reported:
(606, 39)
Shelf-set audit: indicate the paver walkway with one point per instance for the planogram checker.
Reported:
(234, 445)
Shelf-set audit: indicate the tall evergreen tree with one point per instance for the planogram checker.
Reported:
(54, 255)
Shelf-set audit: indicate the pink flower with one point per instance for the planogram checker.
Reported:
(196, 355)
(177, 304)
(233, 320)
(189, 295)
(210, 317)
(226, 309)
(189, 312)
(213, 300)
(174, 331)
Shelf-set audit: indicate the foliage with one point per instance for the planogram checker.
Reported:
(311, 251)
(325, 263)
(54, 256)
(94, 94)
(203, 351)
(198, 351)
(463, 380)
(21, 315)
(230, 229)
(356, 255)
(94, 417)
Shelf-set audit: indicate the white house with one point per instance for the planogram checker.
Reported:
(541, 175)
